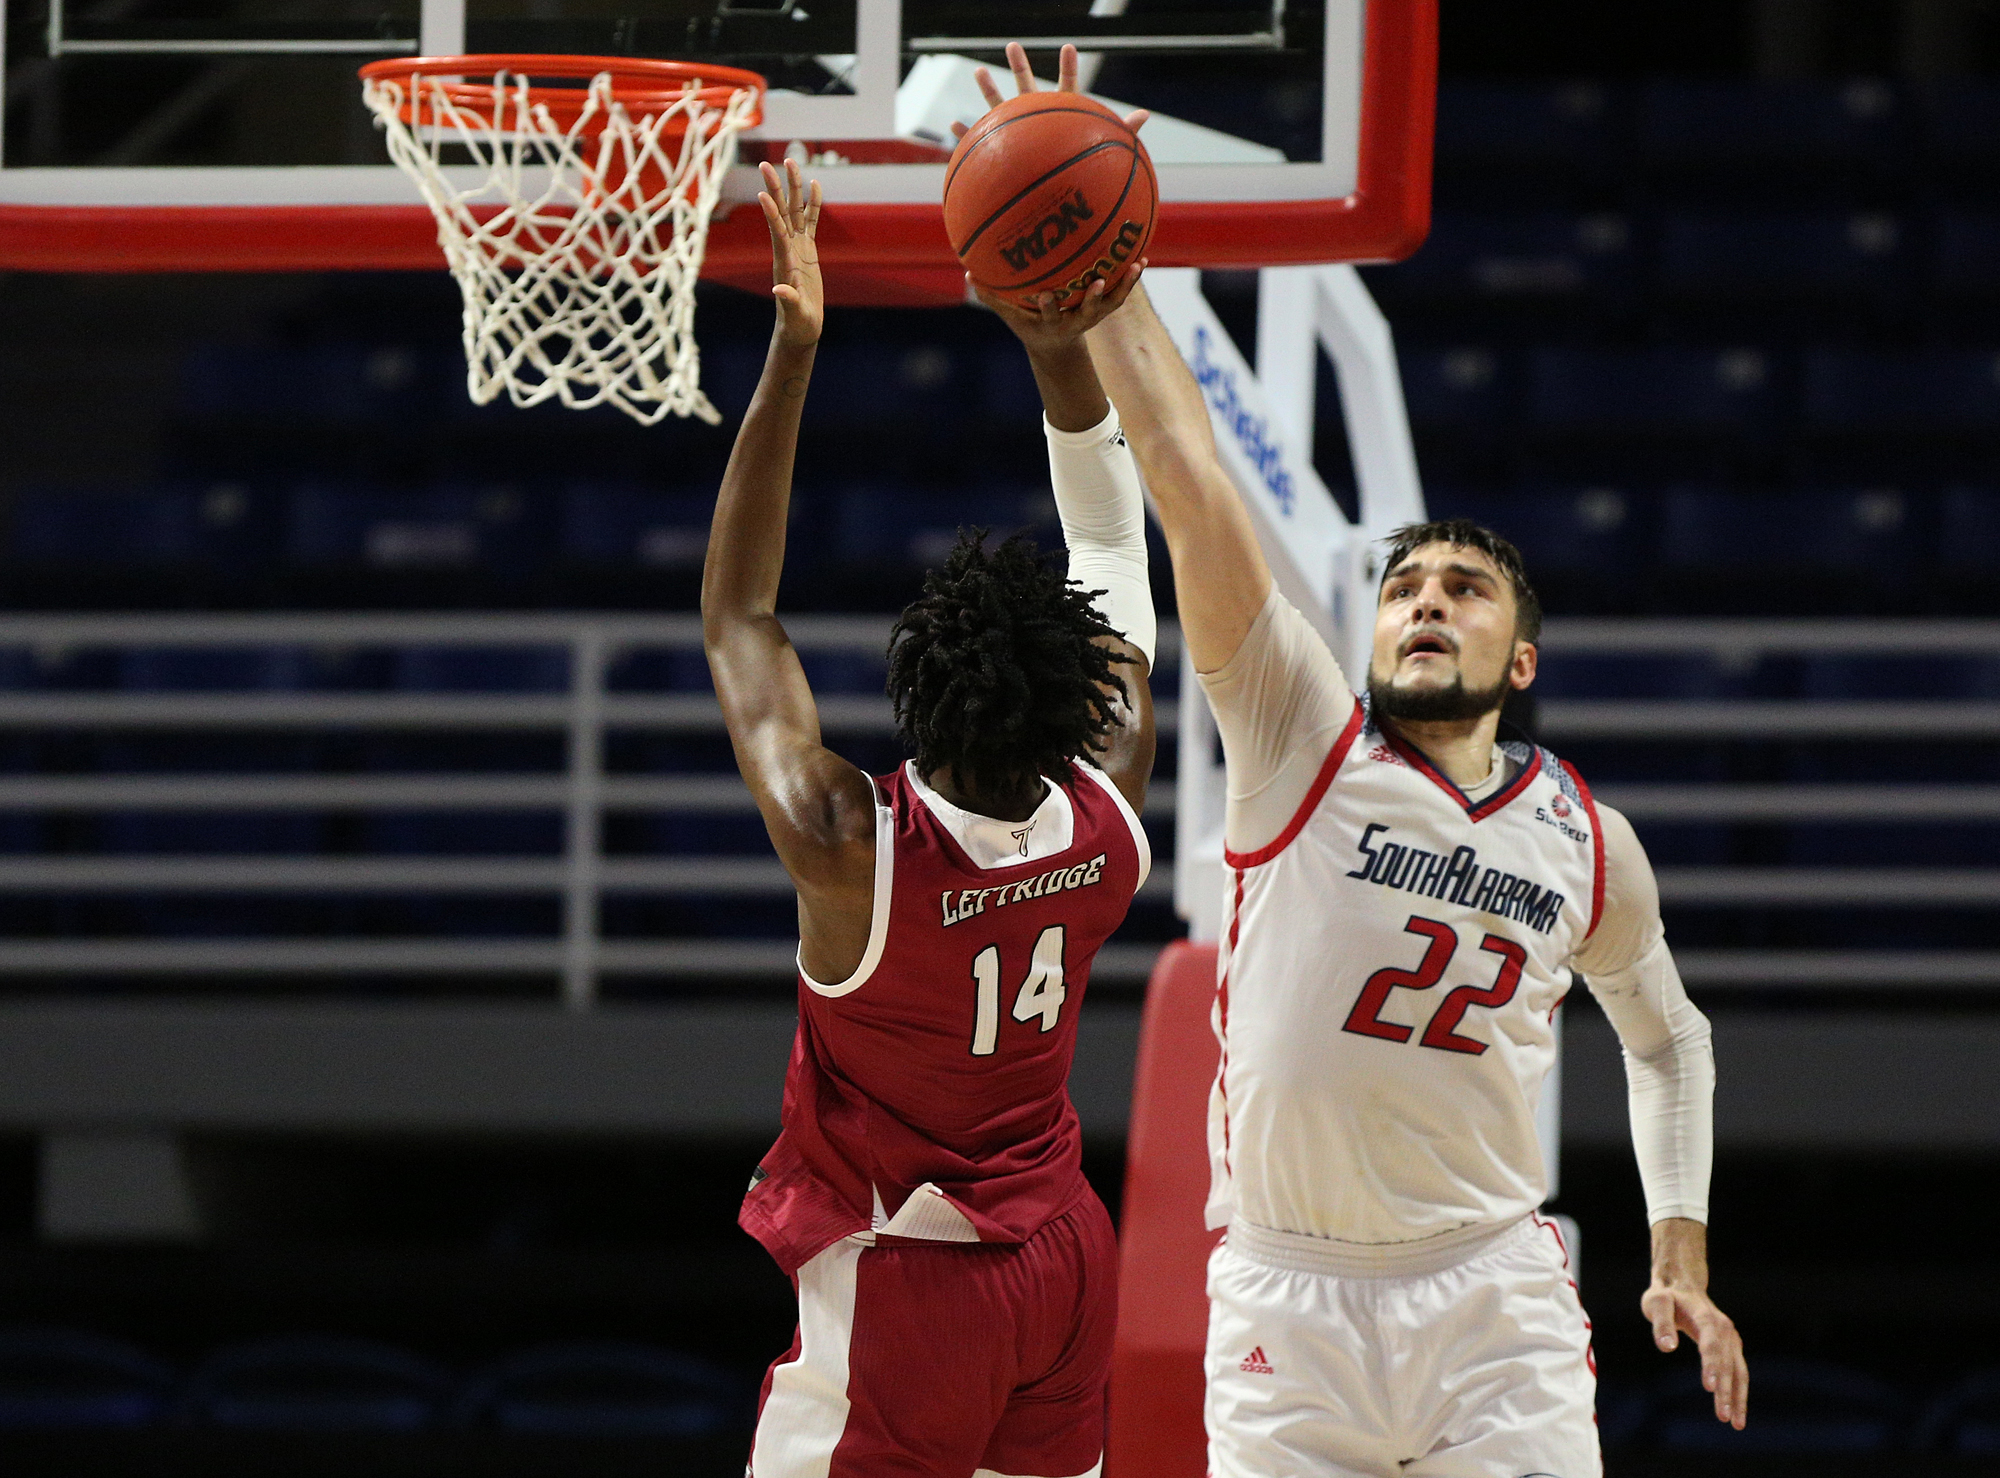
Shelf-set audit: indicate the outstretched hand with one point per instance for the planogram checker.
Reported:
(1677, 1303)
(1024, 81)
(1044, 327)
(795, 280)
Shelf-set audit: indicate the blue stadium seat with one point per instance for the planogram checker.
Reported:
(1937, 391)
(1967, 261)
(213, 669)
(1802, 1407)
(226, 833)
(1914, 844)
(315, 1383)
(1724, 126)
(68, 1380)
(1581, 532)
(1963, 1420)
(921, 389)
(1466, 389)
(660, 670)
(1645, 675)
(1535, 129)
(1536, 258)
(1007, 392)
(892, 523)
(464, 833)
(1651, 391)
(426, 529)
(480, 669)
(1905, 675)
(1969, 528)
(692, 833)
(1961, 133)
(602, 1389)
(339, 383)
(1751, 256)
(636, 527)
(222, 525)
(1870, 536)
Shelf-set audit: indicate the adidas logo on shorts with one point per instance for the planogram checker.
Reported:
(1256, 1364)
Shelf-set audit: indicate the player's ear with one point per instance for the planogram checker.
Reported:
(1521, 671)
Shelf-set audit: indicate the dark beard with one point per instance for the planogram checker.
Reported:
(1447, 705)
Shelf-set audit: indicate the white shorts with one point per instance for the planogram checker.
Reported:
(1481, 1369)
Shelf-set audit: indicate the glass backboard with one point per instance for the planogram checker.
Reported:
(229, 134)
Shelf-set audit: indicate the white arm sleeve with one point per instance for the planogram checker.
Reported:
(1669, 1058)
(1104, 523)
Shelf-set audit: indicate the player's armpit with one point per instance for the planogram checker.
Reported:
(1127, 757)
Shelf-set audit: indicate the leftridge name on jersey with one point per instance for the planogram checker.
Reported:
(971, 901)
(1458, 878)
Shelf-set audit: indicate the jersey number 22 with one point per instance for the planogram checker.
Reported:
(1442, 1033)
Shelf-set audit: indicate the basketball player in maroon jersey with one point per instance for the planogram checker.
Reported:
(956, 1275)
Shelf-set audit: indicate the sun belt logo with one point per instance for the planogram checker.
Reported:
(1256, 1364)
(1560, 805)
(1049, 232)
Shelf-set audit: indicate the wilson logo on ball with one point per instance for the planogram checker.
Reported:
(1048, 233)
(1124, 246)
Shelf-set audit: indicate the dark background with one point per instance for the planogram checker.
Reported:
(461, 1251)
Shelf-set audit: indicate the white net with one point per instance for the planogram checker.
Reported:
(576, 247)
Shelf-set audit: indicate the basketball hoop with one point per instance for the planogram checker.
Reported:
(575, 225)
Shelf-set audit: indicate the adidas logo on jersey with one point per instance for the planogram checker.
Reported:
(1254, 1363)
(1383, 754)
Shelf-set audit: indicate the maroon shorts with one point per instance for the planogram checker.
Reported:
(946, 1359)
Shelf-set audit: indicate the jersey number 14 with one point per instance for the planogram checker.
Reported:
(1041, 994)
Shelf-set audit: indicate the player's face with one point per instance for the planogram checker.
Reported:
(1445, 624)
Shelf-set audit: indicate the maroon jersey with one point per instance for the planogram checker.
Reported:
(928, 1094)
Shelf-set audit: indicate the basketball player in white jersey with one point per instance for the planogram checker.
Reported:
(1409, 894)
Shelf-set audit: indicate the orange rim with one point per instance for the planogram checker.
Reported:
(641, 84)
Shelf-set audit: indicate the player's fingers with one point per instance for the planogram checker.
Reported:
(1066, 69)
(774, 218)
(786, 294)
(1658, 1307)
(1136, 119)
(1017, 63)
(988, 89)
(813, 203)
(959, 130)
(795, 194)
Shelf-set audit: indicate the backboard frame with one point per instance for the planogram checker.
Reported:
(882, 234)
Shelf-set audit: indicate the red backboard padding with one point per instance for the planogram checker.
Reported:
(1163, 1248)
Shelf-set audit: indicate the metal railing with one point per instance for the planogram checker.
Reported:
(582, 875)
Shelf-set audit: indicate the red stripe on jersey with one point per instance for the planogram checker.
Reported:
(1477, 810)
(1596, 849)
(1222, 1017)
(1320, 782)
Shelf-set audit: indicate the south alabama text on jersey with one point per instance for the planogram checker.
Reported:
(1390, 968)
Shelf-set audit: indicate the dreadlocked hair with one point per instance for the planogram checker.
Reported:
(995, 671)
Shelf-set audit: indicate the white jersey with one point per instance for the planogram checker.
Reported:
(1390, 966)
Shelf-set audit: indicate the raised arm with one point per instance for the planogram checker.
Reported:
(1220, 575)
(1102, 509)
(818, 808)
(1670, 1076)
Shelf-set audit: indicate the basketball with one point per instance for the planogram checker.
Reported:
(1047, 193)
